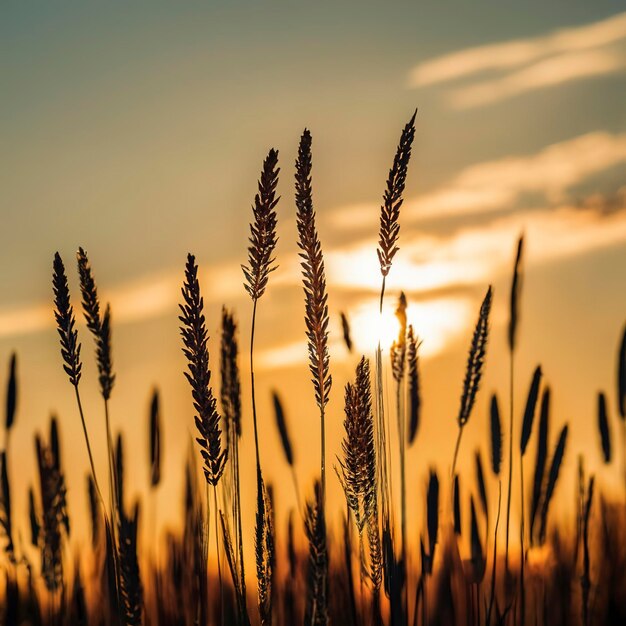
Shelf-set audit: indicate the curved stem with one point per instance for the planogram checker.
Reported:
(495, 554)
(508, 497)
(254, 419)
(522, 554)
(456, 453)
(219, 559)
(91, 462)
(244, 607)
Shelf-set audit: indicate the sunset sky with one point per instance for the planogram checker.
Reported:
(139, 134)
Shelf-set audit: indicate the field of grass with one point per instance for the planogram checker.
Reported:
(471, 567)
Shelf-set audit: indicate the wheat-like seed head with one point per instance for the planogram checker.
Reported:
(475, 361)
(99, 324)
(263, 230)
(66, 322)
(194, 335)
(230, 393)
(313, 275)
(392, 199)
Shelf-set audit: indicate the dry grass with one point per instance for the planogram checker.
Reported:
(378, 580)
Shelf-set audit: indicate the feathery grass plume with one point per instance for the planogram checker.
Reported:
(314, 284)
(316, 613)
(155, 439)
(230, 390)
(399, 347)
(52, 500)
(529, 411)
(131, 590)
(345, 329)
(475, 361)
(281, 425)
(6, 521)
(553, 476)
(457, 505)
(415, 404)
(66, 322)
(480, 481)
(358, 466)
(387, 247)
(516, 288)
(474, 371)
(194, 335)
(11, 398)
(621, 377)
(603, 427)
(70, 347)
(33, 517)
(541, 457)
(392, 200)
(496, 435)
(264, 551)
(585, 579)
(263, 229)
(99, 324)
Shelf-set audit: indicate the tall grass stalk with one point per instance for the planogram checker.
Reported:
(474, 372)
(516, 286)
(387, 249)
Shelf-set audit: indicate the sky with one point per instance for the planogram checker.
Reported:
(138, 131)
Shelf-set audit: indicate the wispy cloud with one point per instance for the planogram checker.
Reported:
(132, 301)
(495, 185)
(564, 68)
(528, 64)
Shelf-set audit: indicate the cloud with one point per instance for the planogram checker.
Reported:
(547, 72)
(131, 301)
(514, 54)
(495, 185)
(528, 64)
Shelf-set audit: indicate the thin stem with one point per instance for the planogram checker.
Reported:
(256, 435)
(522, 554)
(323, 455)
(91, 463)
(112, 466)
(402, 445)
(456, 454)
(495, 554)
(244, 607)
(424, 602)
(219, 560)
(508, 497)
(380, 418)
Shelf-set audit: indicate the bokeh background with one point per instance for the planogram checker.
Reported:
(137, 130)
